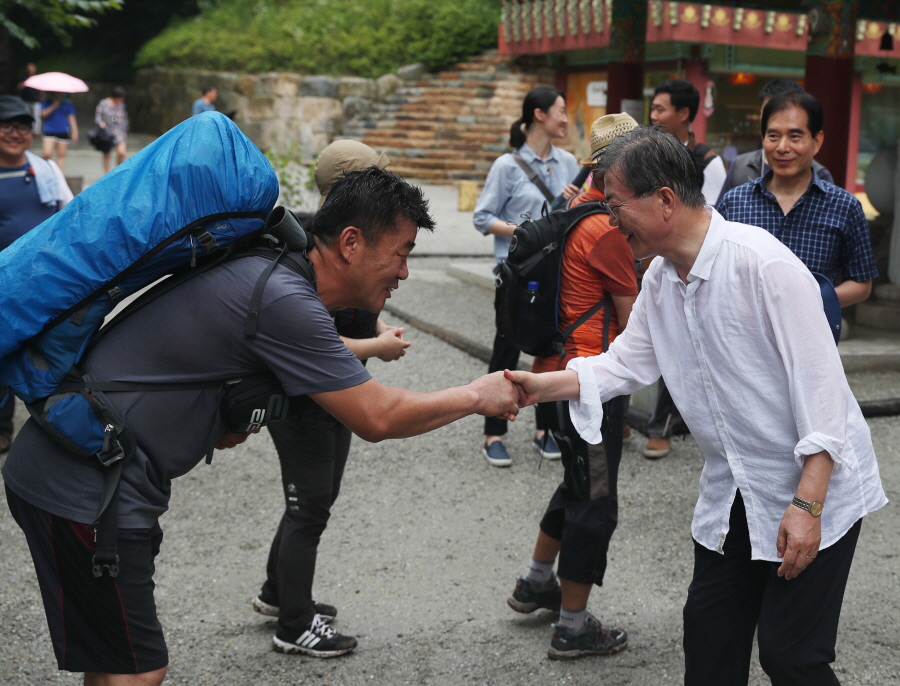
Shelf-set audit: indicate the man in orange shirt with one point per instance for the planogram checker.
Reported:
(597, 264)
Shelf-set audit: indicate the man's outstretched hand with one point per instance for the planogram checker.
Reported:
(497, 396)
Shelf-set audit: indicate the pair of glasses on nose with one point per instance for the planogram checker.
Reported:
(613, 209)
(18, 127)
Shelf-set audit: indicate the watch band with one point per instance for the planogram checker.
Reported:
(814, 507)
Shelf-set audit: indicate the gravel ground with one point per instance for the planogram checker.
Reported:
(424, 546)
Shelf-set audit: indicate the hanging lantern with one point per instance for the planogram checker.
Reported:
(741, 78)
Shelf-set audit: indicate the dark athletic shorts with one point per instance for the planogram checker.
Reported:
(96, 624)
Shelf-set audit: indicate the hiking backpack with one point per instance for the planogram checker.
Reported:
(527, 283)
(198, 195)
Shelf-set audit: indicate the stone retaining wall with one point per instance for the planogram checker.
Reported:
(278, 111)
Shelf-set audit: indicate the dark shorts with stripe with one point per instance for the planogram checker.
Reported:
(96, 624)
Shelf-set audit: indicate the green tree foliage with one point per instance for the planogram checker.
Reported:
(59, 16)
(363, 37)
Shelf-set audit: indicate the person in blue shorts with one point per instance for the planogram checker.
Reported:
(60, 127)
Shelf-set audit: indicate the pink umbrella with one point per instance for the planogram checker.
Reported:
(56, 82)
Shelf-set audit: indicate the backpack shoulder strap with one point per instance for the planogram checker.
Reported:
(570, 217)
(298, 263)
(533, 176)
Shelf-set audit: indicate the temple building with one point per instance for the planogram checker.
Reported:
(610, 54)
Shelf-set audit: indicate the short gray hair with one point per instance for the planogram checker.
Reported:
(648, 158)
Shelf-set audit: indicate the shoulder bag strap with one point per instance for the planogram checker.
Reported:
(533, 176)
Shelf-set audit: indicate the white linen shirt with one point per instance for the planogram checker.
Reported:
(746, 352)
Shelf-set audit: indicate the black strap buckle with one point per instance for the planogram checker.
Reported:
(111, 567)
(207, 241)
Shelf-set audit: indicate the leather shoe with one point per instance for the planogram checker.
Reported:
(657, 448)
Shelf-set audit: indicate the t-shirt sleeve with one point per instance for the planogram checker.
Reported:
(611, 256)
(296, 339)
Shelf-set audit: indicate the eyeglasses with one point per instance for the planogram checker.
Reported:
(612, 208)
(17, 126)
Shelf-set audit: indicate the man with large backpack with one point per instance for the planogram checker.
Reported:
(106, 625)
(597, 267)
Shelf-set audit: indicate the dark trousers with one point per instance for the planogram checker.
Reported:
(665, 417)
(584, 510)
(312, 449)
(731, 596)
(504, 356)
(6, 413)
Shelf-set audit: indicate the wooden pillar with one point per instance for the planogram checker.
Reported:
(697, 72)
(853, 133)
(627, 38)
(829, 77)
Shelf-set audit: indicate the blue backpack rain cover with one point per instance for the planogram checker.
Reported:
(196, 190)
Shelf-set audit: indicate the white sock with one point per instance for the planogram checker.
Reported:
(572, 620)
(539, 572)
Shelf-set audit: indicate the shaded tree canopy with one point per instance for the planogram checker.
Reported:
(362, 37)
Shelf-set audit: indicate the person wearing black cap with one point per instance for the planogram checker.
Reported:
(31, 190)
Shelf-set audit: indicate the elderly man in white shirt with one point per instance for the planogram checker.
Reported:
(733, 322)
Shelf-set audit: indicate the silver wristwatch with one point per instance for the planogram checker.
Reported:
(814, 507)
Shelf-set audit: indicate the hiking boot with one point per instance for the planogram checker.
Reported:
(594, 640)
(496, 454)
(528, 597)
(5, 443)
(319, 640)
(546, 445)
(327, 612)
(657, 448)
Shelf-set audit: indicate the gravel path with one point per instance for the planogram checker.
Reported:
(423, 549)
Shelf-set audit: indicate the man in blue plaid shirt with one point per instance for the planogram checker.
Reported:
(822, 224)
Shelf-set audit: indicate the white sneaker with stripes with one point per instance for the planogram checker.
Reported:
(319, 640)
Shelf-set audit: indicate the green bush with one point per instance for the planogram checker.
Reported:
(362, 37)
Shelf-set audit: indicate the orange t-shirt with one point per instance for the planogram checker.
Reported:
(596, 260)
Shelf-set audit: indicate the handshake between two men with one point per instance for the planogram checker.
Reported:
(510, 391)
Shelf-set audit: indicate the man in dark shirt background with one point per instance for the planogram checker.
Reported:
(823, 224)
(751, 165)
(31, 190)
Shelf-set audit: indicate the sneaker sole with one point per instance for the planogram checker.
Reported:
(493, 462)
(294, 649)
(527, 608)
(656, 454)
(272, 611)
(546, 455)
(264, 608)
(555, 654)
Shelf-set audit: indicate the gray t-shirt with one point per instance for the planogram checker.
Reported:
(193, 333)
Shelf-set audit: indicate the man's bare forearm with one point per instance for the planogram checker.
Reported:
(852, 292)
(375, 412)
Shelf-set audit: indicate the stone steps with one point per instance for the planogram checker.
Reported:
(449, 126)
(390, 138)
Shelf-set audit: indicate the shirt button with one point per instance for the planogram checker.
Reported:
(689, 304)
(708, 386)
(721, 425)
(696, 344)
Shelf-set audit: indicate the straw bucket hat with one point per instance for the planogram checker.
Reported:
(603, 130)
